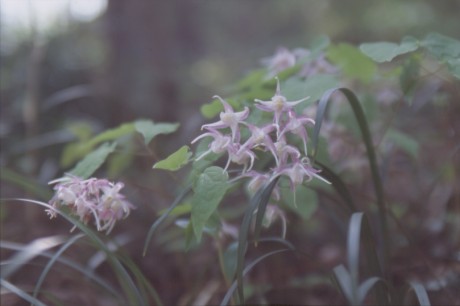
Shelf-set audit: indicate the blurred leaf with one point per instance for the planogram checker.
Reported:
(304, 203)
(253, 78)
(403, 141)
(74, 151)
(178, 210)
(86, 167)
(319, 44)
(352, 61)
(25, 183)
(175, 161)
(119, 162)
(149, 130)
(211, 109)
(386, 51)
(209, 189)
(454, 67)
(442, 47)
(230, 258)
(409, 75)
(314, 87)
(157, 223)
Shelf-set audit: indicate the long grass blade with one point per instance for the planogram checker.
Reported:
(420, 292)
(344, 280)
(67, 262)
(163, 217)
(32, 250)
(133, 295)
(21, 293)
(232, 288)
(338, 185)
(364, 128)
(359, 230)
(262, 195)
(53, 259)
(366, 286)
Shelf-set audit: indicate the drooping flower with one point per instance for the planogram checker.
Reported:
(295, 125)
(93, 198)
(278, 105)
(228, 119)
(218, 145)
(260, 137)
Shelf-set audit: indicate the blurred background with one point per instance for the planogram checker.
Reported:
(72, 65)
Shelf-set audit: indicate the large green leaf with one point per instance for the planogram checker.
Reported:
(454, 67)
(296, 88)
(75, 151)
(304, 202)
(386, 51)
(149, 130)
(209, 189)
(352, 61)
(175, 161)
(403, 141)
(86, 167)
(442, 47)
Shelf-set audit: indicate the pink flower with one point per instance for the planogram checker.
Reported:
(298, 171)
(295, 125)
(218, 145)
(92, 198)
(228, 118)
(278, 105)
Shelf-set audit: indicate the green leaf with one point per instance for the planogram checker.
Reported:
(74, 151)
(304, 203)
(314, 87)
(454, 67)
(319, 44)
(86, 167)
(403, 141)
(442, 47)
(352, 61)
(386, 51)
(211, 109)
(175, 161)
(209, 189)
(149, 130)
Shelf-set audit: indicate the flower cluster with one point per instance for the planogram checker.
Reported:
(92, 198)
(271, 137)
(284, 59)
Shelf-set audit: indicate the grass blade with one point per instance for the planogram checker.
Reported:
(163, 217)
(338, 185)
(32, 250)
(67, 262)
(261, 196)
(132, 293)
(358, 230)
(345, 282)
(420, 292)
(366, 286)
(230, 291)
(364, 128)
(21, 293)
(53, 259)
